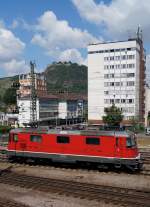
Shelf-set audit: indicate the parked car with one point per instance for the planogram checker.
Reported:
(147, 131)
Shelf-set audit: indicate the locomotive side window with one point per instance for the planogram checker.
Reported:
(63, 139)
(35, 138)
(92, 140)
(15, 137)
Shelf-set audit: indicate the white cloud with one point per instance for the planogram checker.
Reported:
(11, 49)
(21, 23)
(59, 39)
(14, 67)
(71, 55)
(10, 46)
(119, 17)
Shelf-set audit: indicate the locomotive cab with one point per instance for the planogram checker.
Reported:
(133, 153)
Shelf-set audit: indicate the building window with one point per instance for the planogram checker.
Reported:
(124, 66)
(111, 83)
(106, 76)
(130, 100)
(106, 92)
(112, 101)
(111, 75)
(35, 138)
(112, 58)
(123, 100)
(130, 57)
(63, 139)
(123, 57)
(92, 140)
(130, 65)
(117, 57)
(130, 75)
(118, 83)
(130, 83)
(106, 84)
(117, 101)
(106, 101)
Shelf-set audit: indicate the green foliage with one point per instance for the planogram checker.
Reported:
(136, 126)
(113, 116)
(4, 129)
(6, 83)
(10, 96)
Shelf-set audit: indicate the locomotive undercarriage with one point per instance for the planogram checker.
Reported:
(94, 162)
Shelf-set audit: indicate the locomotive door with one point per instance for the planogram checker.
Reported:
(22, 146)
(118, 147)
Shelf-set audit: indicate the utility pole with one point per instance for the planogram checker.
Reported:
(33, 96)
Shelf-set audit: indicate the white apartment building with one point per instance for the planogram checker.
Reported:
(116, 73)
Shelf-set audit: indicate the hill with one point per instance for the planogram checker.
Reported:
(66, 76)
(6, 83)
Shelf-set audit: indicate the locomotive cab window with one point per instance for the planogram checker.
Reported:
(35, 138)
(63, 139)
(15, 137)
(130, 142)
(92, 140)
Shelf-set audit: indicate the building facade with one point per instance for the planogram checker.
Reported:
(8, 119)
(46, 108)
(116, 75)
(51, 108)
(26, 82)
(147, 106)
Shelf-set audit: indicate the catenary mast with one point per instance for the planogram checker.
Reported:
(33, 96)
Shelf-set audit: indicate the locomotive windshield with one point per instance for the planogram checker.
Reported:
(130, 142)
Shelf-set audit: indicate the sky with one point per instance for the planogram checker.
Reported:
(46, 31)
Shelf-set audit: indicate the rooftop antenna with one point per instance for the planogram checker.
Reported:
(33, 96)
(139, 33)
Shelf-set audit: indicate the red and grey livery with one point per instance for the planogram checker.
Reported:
(101, 148)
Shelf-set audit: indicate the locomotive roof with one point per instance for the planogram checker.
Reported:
(73, 132)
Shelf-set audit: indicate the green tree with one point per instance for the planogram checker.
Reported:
(10, 96)
(113, 116)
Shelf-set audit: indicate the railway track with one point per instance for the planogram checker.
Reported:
(116, 195)
(145, 154)
(10, 203)
(145, 171)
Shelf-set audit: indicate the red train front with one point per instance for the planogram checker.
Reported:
(101, 148)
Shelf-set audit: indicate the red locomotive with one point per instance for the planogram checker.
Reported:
(101, 148)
